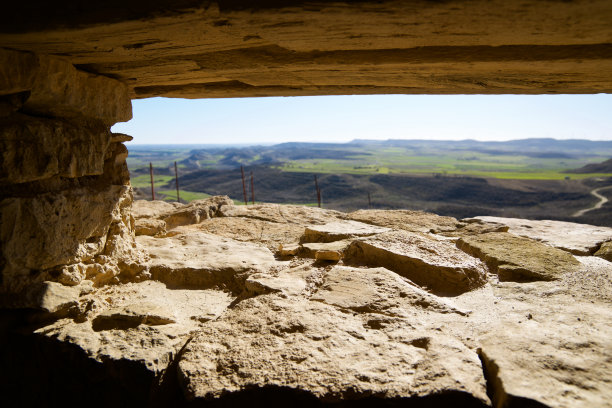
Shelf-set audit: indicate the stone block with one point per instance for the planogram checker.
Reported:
(434, 264)
(515, 258)
(56, 88)
(55, 229)
(35, 148)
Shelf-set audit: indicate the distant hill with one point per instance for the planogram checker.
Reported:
(270, 155)
(603, 167)
(534, 147)
(519, 178)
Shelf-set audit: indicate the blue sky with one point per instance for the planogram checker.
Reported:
(344, 118)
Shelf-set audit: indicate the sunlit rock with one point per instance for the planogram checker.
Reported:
(518, 259)
(579, 239)
(436, 265)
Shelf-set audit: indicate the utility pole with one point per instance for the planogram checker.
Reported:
(318, 191)
(243, 186)
(369, 201)
(152, 185)
(178, 198)
(252, 190)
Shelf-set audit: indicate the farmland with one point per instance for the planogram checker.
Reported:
(526, 178)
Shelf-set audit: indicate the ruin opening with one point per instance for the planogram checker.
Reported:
(520, 156)
(114, 301)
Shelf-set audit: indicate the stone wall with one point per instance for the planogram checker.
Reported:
(238, 48)
(65, 193)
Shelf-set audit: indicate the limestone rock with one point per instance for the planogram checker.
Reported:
(290, 284)
(151, 227)
(551, 366)
(115, 165)
(56, 88)
(579, 239)
(283, 214)
(49, 297)
(254, 330)
(194, 259)
(120, 138)
(121, 247)
(176, 214)
(285, 49)
(196, 211)
(288, 279)
(377, 290)
(268, 233)
(437, 265)
(146, 334)
(605, 251)
(70, 227)
(518, 259)
(340, 230)
(11, 103)
(288, 250)
(131, 316)
(318, 352)
(310, 249)
(475, 228)
(153, 209)
(416, 221)
(36, 148)
(328, 255)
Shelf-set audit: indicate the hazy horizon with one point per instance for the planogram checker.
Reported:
(340, 119)
(353, 141)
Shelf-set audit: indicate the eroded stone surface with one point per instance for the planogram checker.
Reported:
(65, 199)
(436, 265)
(49, 297)
(579, 239)
(133, 315)
(313, 347)
(311, 249)
(197, 49)
(605, 251)
(268, 233)
(144, 323)
(177, 214)
(308, 331)
(474, 228)
(56, 88)
(530, 363)
(36, 148)
(340, 230)
(518, 259)
(200, 260)
(196, 211)
(377, 290)
(69, 227)
(151, 227)
(416, 221)
(153, 209)
(290, 214)
(62, 218)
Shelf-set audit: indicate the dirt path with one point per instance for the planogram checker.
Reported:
(602, 201)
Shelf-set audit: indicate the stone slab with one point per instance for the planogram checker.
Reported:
(433, 264)
(579, 239)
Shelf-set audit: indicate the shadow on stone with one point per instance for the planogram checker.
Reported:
(275, 396)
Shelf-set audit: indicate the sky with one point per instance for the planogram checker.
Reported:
(344, 118)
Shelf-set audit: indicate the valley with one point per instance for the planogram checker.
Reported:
(531, 178)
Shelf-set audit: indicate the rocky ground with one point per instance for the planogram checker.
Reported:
(270, 304)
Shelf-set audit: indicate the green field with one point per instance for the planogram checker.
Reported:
(144, 181)
(170, 195)
(161, 188)
(528, 159)
(394, 161)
